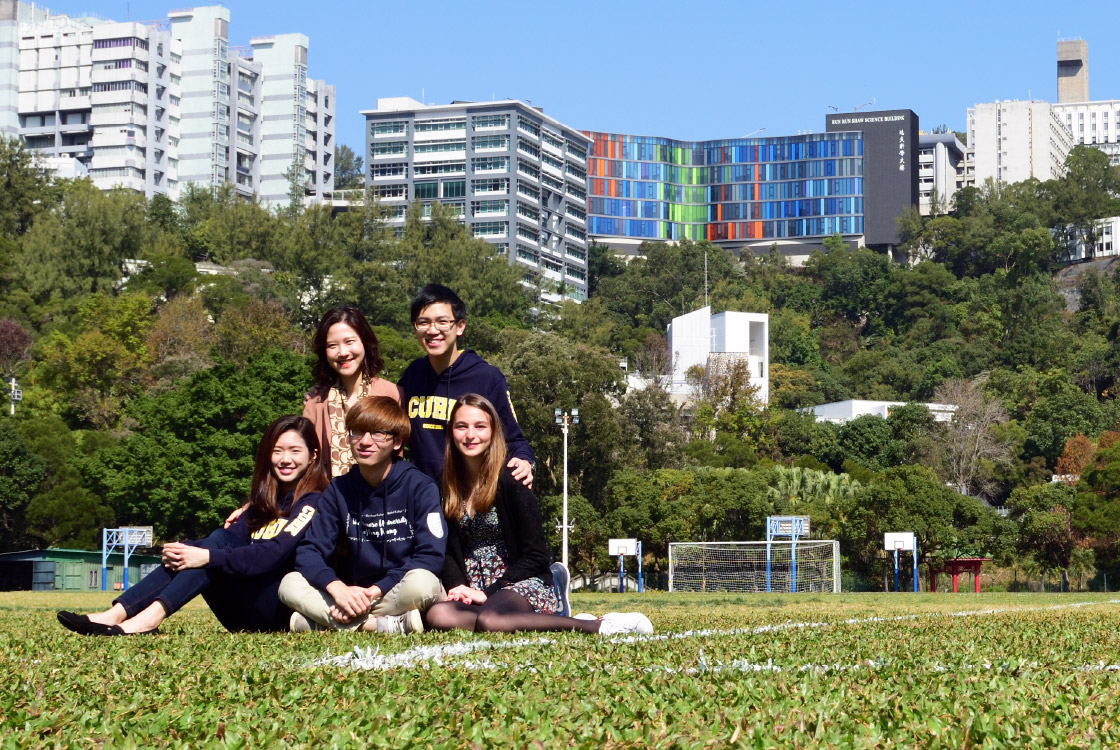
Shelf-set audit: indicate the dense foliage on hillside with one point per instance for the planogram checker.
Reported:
(146, 384)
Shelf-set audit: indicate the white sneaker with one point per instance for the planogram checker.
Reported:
(614, 623)
(409, 622)
(297, 623)
(584, 616)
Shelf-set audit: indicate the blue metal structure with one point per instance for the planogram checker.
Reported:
(793, 528)
(128, 539)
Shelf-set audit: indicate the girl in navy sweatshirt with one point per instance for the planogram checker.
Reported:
(236, 569)
(496, 570)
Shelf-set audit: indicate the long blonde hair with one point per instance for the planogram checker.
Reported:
(459, 495)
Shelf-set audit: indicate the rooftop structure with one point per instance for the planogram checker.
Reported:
(1073, 71)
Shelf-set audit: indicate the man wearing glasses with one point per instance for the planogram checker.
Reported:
(372, 556)
(431, 385)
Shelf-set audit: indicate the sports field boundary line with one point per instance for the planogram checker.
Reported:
(462, 653)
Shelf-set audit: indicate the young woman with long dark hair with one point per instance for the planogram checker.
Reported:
(496, 570)
(347, 370)
(236, 569)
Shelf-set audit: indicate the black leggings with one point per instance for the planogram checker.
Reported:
(504, 612)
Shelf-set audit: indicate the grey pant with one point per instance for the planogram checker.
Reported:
(419, 589)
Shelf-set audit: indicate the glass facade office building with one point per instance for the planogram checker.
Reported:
(734, 191)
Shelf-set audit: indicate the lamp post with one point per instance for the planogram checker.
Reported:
(17, 394)
(564, 418)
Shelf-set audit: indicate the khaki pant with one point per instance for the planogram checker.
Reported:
(419, 589)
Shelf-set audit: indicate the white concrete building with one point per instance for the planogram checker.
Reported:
(297, 120)
(515, 176)
(153, 106)
(204, 129)
(839, 412)
(103, 93)
(701, 339)
(1014, 140)
(1094, 124)
(1107, 242)
(944, 165)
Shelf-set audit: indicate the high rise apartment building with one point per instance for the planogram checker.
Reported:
(1015, 140)
(297, 119)
(105, 94)
(154, 106)
(516, 177)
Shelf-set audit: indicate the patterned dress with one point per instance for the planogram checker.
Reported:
(485, 552)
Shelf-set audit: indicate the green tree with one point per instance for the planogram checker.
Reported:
(63, 513)
(80, 247)
(23, 188)
(244, 333)
(21, 474)
(348, 172)
(91, 374)
(189, 459)
(1087, 192)
(1043, 514)
(546, 371)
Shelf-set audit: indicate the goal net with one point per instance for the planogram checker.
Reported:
(802, 565)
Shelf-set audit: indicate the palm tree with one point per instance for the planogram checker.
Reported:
(1082, 561)
(1032, 569)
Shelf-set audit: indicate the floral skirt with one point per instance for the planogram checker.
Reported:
(486, 555)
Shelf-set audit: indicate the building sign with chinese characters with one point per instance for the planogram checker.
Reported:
(890, 176)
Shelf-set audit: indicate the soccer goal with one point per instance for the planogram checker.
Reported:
(801, 565)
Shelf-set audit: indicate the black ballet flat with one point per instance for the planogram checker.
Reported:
(112, 630)
(80, 624)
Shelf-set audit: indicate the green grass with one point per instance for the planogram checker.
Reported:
(903, 673)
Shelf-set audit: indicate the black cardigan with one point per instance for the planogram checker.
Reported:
(520, 520)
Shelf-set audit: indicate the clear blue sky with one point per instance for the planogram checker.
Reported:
(690, 70)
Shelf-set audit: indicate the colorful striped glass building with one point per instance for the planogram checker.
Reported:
(740, 191)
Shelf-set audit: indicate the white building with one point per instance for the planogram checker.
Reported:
(297, 120)
(103, 93)
(1089, 123)
(1014, 140)
(258, 116)
(702, 339)
(839, 412)
(944, 165)
(1093, 124)
(153, 106)
(515, 176)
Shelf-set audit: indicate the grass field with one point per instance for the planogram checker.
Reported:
(852, 670)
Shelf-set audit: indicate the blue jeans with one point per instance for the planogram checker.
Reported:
(238, 603)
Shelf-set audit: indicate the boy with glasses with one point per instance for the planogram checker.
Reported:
(382, 528)
(431, 385)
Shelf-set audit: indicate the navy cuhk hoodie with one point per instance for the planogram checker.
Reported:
(375, 534)
(428, 397)
(270, 548)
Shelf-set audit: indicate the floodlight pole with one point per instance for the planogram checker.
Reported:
(563, 418)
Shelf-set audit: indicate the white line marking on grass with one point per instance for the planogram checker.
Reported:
(459, 653)
(371, 658)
